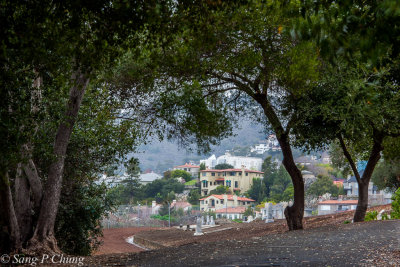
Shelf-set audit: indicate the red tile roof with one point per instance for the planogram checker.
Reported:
(230, 197)
(231, 210)
(187, 165)
(231, 170)
(338, 202)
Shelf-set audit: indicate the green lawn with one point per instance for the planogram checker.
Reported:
(191, 182)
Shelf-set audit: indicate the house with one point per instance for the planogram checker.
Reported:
(305, 160)
(326, 158)
(217, 202)
(236, 179)
(190, 168)
(375, 196)
(335, 206)
(231, 213)
(237, 162)
(146, 178)
(185, 206)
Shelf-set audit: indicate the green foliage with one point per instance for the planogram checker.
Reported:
(248, 212)
(194, 196)
(257, 190)
(163, 218)
(128, 191)
(346, 222)
(182, 174)
(78, 219)
(371, 216)
(281, 187)
(132, 167)
(386, 175)
(223, 166)
(395, 214)
(191, 182)
(323, 185)
(202, 166)
(221, 189)
(237, 220)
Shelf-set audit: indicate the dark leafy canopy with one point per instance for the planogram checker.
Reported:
(257, 190)
(223, 166)
(182, 174)
(323, 185)
(387, 175)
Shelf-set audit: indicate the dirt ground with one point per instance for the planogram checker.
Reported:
(114, 240)
(326, 241)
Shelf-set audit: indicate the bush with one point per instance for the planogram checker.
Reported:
(371, 216)
(395, 214)
(346, 222)
(237, 220)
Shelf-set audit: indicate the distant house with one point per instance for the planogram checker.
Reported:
(231, 213)
(190, 168)
(236, 179)
(217, 202)
(375, 196)
(237, 162)
(149, 177)
(181, 205)
(326, 158)
(335, 206)
(305, 160)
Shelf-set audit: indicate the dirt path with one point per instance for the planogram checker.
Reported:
(114, 240)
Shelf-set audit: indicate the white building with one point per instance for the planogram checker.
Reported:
(271, 144)
(237, 162)
(146, 178)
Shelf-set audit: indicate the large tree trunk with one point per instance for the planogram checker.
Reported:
(294, 214)
(8, 212)
(362, 204)
(23, 207)
(43, 239)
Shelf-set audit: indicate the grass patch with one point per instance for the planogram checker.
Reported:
(191, 182)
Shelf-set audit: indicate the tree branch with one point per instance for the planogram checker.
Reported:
(34, 181)
(349, 159)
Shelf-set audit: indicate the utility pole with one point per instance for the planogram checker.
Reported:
(138, 213)
(169, 214)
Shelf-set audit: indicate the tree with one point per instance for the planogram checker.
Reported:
(257, 190)
(202, 166)
(248, 212)
(270, 168)
(181, 174)
(321, 186)
(223, 166)
(361, 81)
(221, 190)
(56, 49)
(243, 64)
(280, 187)
(387, 175)
(132, 167)
(194, 196)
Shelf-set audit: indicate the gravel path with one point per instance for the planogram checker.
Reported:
(361, 244)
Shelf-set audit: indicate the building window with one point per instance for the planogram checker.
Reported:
(228, 183)
(213, 174)
(222, 202)
(232, 173)
(205, 184)
(215, 183)
(184, 169)
(206, 202)
(236, 184)
(217, 201)
(204, 174)
(202, 202)
(210, 183)
(247, 174)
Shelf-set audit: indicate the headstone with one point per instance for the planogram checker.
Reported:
(202, 220)
(250, 219)
(208, 220)
(188, 227)
(198, 227)
(379, 216)
(212, 222)
(269, 213)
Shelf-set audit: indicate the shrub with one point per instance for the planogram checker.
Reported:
(370, 216)
(346, 222)
(395, 214)
(237, 220)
